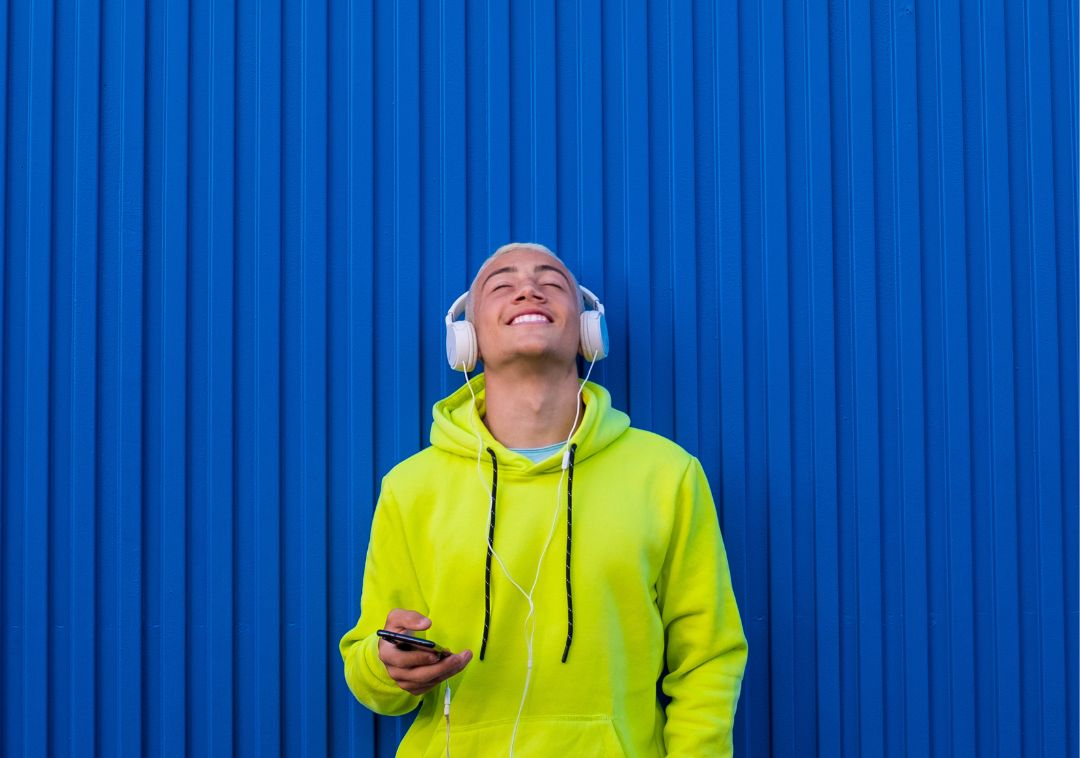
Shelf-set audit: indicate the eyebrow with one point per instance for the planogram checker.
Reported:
(514, 269)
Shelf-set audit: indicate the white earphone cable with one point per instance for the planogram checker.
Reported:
(530, 618)
(446, 715)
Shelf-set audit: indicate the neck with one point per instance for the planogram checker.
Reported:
(530, 408)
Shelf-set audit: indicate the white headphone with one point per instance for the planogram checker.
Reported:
(461, 348)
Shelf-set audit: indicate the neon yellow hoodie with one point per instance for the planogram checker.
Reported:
(649, 588)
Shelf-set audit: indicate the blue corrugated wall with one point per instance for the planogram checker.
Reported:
(837, 242)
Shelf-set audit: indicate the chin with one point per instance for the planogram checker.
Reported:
(539, 357)
(547, 358)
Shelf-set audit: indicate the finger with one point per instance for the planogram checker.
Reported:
(401, 620)
(426, 677)
(391, 655)
(432, 674)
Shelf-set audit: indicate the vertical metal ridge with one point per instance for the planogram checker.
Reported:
(165, 369)
(362, 351)
(311, 600)
(748, 399)
(935, 369)
(840, 67)
(639, 227)
(529, 208)
(1024, 320)
(961, 464)
(105, 731)
(706, 234)
(1044, 715)
(853, 733)
(295, 398)
(97, 548)
(235, 571)
(592, 252)
(660, 356)
(211, 726)
(888, 545)
(737, 506)
(682, 217)
(822, 356)
(984, 716)
(281, 449)
(7, 565)
(911, 349)
(221, 378)
(999, 391)
(53, 557)
(246, 677)
(1062, 43)
(865, 388)
(774, 248)
(942, 688)
(1047, 415)
(1001, 349)
(801, 370)
(266, 226)
(35, 498)
(82, 676)
(121, 273)
(340, 724)
(530, 231)
(927, 55)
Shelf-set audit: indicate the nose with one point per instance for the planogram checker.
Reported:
(529, 289)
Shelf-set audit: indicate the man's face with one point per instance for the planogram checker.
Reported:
(525, 308)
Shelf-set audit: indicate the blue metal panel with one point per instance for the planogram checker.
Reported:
(120, 459)
(165, 383)
(28, 283)
(838, 247)
(350, 349)
(259, 615)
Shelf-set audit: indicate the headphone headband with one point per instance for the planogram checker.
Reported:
(591, 299)
(457, 308)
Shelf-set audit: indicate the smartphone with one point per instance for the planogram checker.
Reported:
(405, 642)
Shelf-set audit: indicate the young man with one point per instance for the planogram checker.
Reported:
(580, 558)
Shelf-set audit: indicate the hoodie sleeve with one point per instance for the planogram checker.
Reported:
(390, 582)
(705, 646)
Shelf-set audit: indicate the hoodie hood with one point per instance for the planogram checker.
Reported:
(456, 423)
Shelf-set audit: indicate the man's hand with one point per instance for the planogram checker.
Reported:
(416, 671)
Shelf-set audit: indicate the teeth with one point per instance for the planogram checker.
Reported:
(528, 318)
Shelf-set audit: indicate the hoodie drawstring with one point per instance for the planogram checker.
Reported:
(490, 542)
(569, 533)
(569, 543)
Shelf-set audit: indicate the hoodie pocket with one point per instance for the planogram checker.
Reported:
(546, 736)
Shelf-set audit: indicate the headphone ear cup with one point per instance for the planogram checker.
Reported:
(594, 336)
(461, 351)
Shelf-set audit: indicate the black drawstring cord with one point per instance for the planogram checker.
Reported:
(569, 543)
(490, 542)
(569, 532)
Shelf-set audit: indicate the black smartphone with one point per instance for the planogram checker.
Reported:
(405, 642)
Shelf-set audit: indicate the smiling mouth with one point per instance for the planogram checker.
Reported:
(530, 318)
